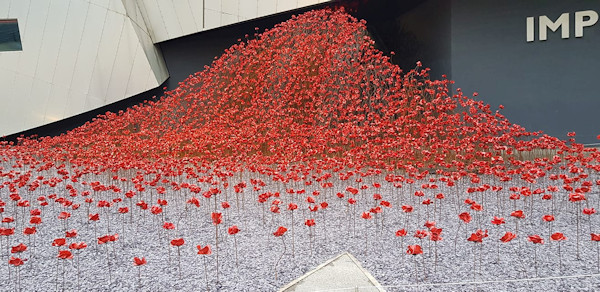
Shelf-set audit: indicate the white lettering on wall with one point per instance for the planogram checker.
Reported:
(583, 19)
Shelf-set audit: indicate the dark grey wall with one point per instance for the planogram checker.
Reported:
(550, 85)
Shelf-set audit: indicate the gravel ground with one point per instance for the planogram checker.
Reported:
(266, 262)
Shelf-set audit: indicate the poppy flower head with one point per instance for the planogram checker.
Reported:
(518, 214)
(78, 246)
(59, 242)
(465, 217)
(139, 261)
(548, 218)
(18, 248)
(589, 211)
(498, 220)
(414, 249)
(16, 261)
(280, 231)
(65, 254)
(508, 236)
(536, 239)
(401, 232)
(204, 250)
(558, 236)
(217, 218)
(177, 242)
(233, 230)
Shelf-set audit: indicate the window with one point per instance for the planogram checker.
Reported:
(10, 39)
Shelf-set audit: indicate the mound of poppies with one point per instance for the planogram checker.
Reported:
(294, 118)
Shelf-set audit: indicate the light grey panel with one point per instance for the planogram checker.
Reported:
(227, 19)
(117, 6)
(185, 17)
(71, 41)
(32, 38)
(123, 64)
(267, 7)
(285, 5)
(92, 33)
(249, 9)
(35, 105)
(57, 103)
(198, 11)
(100, 3)
(230, 7)
(4, 4)
(52, 39)
(138, 75)
(213, 18)
(107, 52)
(155, 20)
(213, 5)
(170, 18)
(303, 3)
(75, 103)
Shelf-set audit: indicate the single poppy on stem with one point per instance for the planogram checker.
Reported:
(279, 233)
(596, 238)
(535, 239)
(78, 247)
(205, 251)
(233, 230)
(139, 262)
(558, 237)
(415, 250)
(17, 263)
(292, 207)
(177, 242)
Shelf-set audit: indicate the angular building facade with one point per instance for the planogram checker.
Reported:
(74, 56)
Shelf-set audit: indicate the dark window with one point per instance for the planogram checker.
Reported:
(10, 39)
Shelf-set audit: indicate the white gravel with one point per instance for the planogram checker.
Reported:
(372, 242)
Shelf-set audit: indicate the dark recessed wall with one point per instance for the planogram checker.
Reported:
(547, 85)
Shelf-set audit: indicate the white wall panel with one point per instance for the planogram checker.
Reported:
(51, 39)
(75, 103)
(92, 33)
(31, 39)
(227, 19)
(71, 41)
(302, 3)
(117, 6)
(100, 3)
(248, 9)
(119, 77)
(214, 5)
(266, 7)
(35, 105)
(185, 17)
(231, 7)
(107, 53)
(57, 102)
(154, 19)
(198, 13)
(140, 70)
(4, 5)
(170, 18)
(212, 19)
(285, 5)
